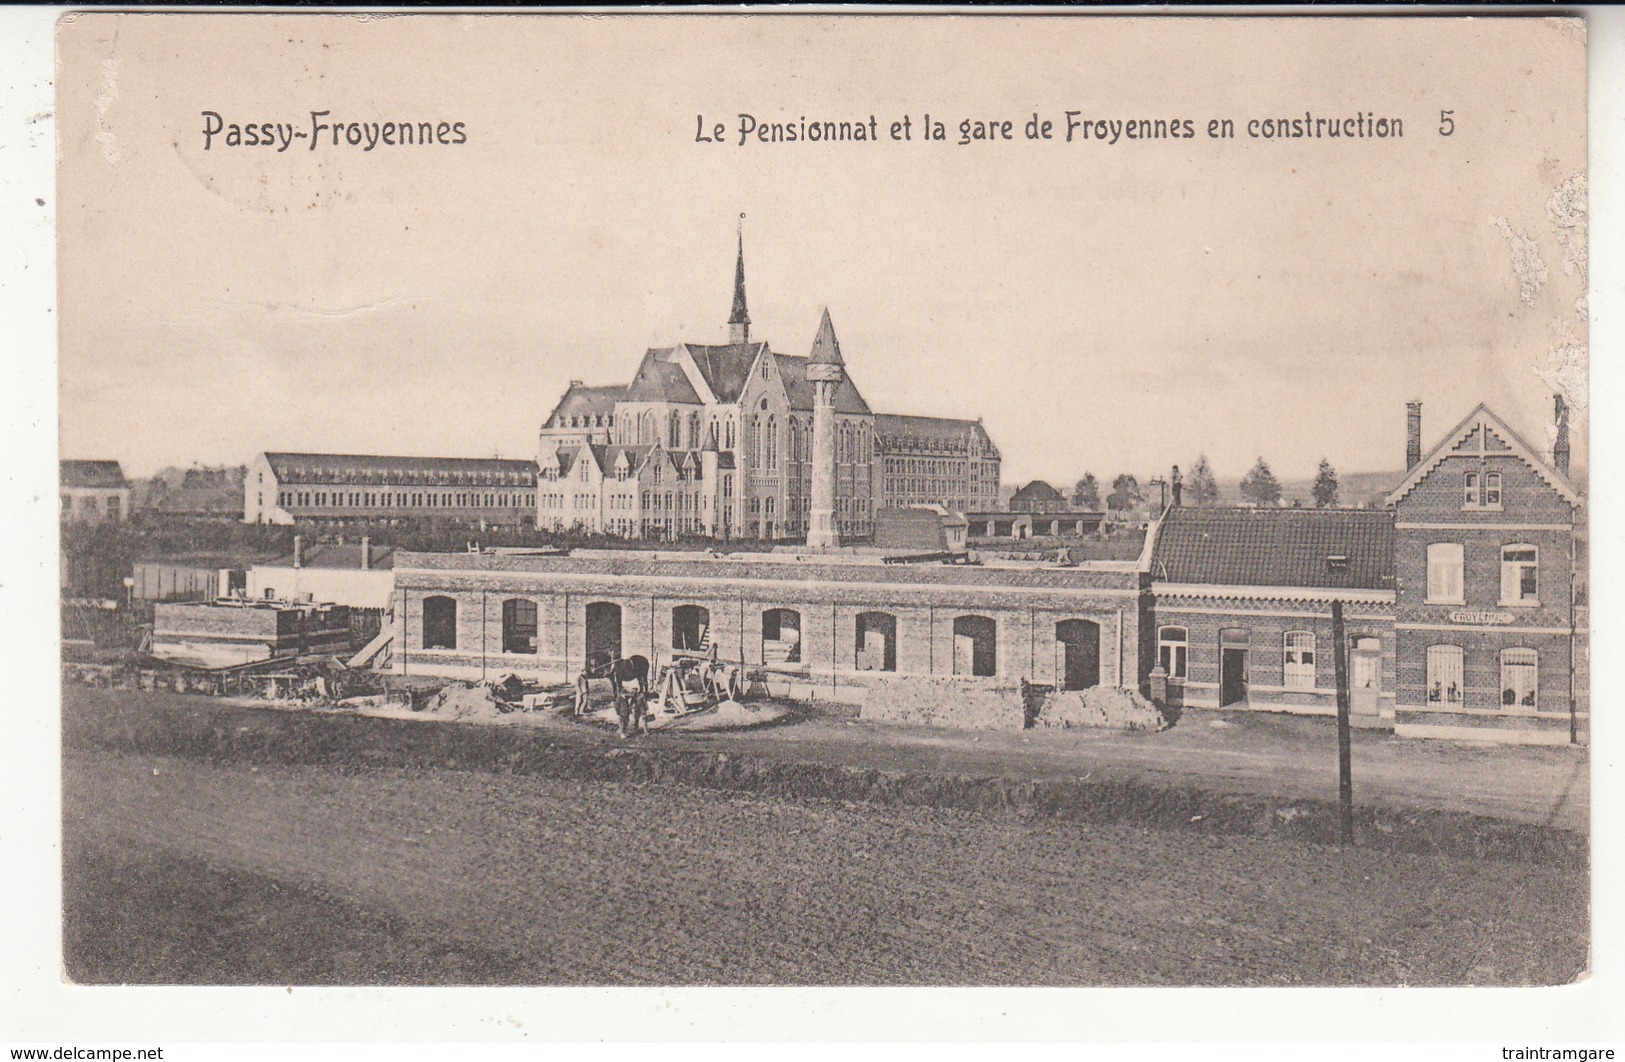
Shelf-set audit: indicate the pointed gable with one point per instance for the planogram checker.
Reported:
(659, 379)
(1474, 435)
(725, 367)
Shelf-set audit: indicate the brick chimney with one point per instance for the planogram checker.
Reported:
(1413, 434)
(1560, 446)
(298, 551)
(366, 553)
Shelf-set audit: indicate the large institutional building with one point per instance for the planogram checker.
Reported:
(719, 440)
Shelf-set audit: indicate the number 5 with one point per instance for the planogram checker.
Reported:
(1447, 124)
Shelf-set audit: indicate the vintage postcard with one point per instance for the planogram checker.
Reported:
(825, 499)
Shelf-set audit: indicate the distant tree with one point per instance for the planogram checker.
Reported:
(1200, 488)
(1126, 493)
(1086, 495)
(1260, 486)
(1325, 488)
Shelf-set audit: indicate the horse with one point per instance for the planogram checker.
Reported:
(601, 663)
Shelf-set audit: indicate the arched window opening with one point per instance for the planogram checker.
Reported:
(691, 628)
(1520, 675)
(976, 644)
(519, 626)
(1077, 650)
(781, 636)
(439, 623)
(876, 648)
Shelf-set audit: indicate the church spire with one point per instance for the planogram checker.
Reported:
(739, 320)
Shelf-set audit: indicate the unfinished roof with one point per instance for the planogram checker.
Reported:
(402, 471)
(1319, 548)
(339, 557)
(897, 432)
(92, 474)
(583, 401)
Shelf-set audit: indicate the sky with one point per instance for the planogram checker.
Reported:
(1102, 307)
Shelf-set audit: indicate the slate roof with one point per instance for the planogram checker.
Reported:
(93, 474)
(799, 389)
(583, 401)
(608, 454)
(1276, 547)
(1037, 490)
(725, 367)
(899, 433)
(660, 380)
(401, 471)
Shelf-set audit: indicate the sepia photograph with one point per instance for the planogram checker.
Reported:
(823, 500)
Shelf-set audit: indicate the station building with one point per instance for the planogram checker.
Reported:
(824, 624)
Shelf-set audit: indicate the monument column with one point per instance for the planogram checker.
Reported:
(826, 372)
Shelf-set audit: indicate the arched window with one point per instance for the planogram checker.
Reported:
(772, 443)
(793, 450)
(1520, 575)
(1298, 660)
(1173, 647)
(876, 648)
(646, 429)
(756, 454)
(976, 646)
(675, 430)
(781, 636)
(691, 628)
(1445, 685)
(731, 434)
(519, 626)
(1444, 573)
(693, 431)
(439, 623)
(1520, 675)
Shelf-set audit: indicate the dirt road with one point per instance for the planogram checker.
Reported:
(186, 871)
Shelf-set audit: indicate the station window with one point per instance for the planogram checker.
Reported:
(1298, 671)
(1520, 578)
(1445, 573)
(1172, 651)
(1445, 681)
(1519, 674)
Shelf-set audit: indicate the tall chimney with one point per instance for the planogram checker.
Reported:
(1560, 447)
(298, 551)
(366, 553)
(1413, 434)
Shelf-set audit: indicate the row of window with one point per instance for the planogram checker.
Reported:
(402, 500)
(1297, 656)
(88, 505)
(975, 638)
(1447, 686)
(1520, 578)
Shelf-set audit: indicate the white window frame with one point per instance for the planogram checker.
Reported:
(1515, 661)
(1513, 594)
(1298, 660)
(1173, 654)
(1439, 571)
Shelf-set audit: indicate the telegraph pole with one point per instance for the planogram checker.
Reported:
(1345, 780)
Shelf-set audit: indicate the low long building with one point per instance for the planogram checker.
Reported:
(852, 619)
(339, 490)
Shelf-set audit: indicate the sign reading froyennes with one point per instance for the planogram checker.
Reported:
(1481, 619)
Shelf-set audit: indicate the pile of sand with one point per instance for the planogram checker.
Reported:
(462, 701)
(1100, 707)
